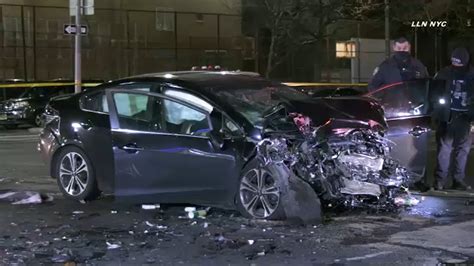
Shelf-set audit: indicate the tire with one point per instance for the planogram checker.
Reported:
(38, 122)
(84, 184)
(264, 202)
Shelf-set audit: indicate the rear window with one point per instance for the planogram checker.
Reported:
(95, 102)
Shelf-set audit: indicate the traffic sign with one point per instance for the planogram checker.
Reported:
(70, 29)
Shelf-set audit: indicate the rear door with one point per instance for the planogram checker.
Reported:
(406, 108)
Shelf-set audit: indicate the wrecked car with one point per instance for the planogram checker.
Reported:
(222, 139)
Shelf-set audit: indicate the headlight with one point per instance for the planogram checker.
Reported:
(18, 105)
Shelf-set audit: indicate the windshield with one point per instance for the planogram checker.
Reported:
(252, 103)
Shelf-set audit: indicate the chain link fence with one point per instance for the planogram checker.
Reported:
(119, 42)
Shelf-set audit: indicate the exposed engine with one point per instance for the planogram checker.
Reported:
(351, 167)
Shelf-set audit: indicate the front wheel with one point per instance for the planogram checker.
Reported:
(260, 192)
(75, 175)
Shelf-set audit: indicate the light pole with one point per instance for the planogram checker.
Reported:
(387, 29)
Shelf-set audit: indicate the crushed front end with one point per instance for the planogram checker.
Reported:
(348, 167)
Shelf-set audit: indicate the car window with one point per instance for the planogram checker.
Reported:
(96, 102)
(403, 100)
(152, 113)
(138, 111)
(182, 119)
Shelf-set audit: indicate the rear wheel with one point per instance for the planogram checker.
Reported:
(260, 190)
(75, 175)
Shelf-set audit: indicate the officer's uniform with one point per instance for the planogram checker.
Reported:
(393, 70)
(454, 112)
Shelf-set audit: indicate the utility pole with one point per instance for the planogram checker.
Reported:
(77, 53)
(387, 29)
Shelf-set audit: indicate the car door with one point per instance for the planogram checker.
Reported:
(406, 108)
(162, 149)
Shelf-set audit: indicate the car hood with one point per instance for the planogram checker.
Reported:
(354, 112)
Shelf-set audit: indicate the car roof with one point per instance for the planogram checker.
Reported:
(205, 80)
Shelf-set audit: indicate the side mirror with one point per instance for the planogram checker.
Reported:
(216, 139)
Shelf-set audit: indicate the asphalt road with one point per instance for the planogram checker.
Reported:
(104, 232)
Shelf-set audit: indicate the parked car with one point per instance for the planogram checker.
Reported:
(28, 106)
(220, 139)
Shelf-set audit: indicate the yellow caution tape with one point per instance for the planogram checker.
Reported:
(45, 84)
(302, 84)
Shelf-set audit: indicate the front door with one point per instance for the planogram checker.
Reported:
(162, 149)
(406, 110)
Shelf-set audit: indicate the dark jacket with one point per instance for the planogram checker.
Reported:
(389, 72)
(441, 111)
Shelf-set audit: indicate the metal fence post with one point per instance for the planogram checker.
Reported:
(25, 67)
(218, 40)
(176, 40)
(34, 43)
(128, 41)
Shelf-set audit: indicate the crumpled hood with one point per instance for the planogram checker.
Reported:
(343, 111)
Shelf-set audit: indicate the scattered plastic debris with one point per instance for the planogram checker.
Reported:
(113, 212)
(113, 245)
(251, 242)
(406, 201)
(151, 206)
(82, 201)
(194, 213)
(206, 225)
(155, 225)
(77, 212)
(24, 197)
(261, 253)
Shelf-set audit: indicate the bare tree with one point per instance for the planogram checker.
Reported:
(294, 24)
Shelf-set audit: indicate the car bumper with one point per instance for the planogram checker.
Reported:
(14, 117)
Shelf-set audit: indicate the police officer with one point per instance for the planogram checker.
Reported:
(400, 67)
(453, 112)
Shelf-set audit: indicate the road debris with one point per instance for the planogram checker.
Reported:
(155, 225)
(151, 206)
(406, 201)
(77, 212)
(251, 242)
(113, 245)
(368, 256)
(194, 213)
(24, 197)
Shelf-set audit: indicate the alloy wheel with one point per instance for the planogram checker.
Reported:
(38, 121)
(259, 193)
(73, 173)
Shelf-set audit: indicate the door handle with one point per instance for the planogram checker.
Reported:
(418, 131)
(131, 148)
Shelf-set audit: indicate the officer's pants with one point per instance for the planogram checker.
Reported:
(454, 143)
